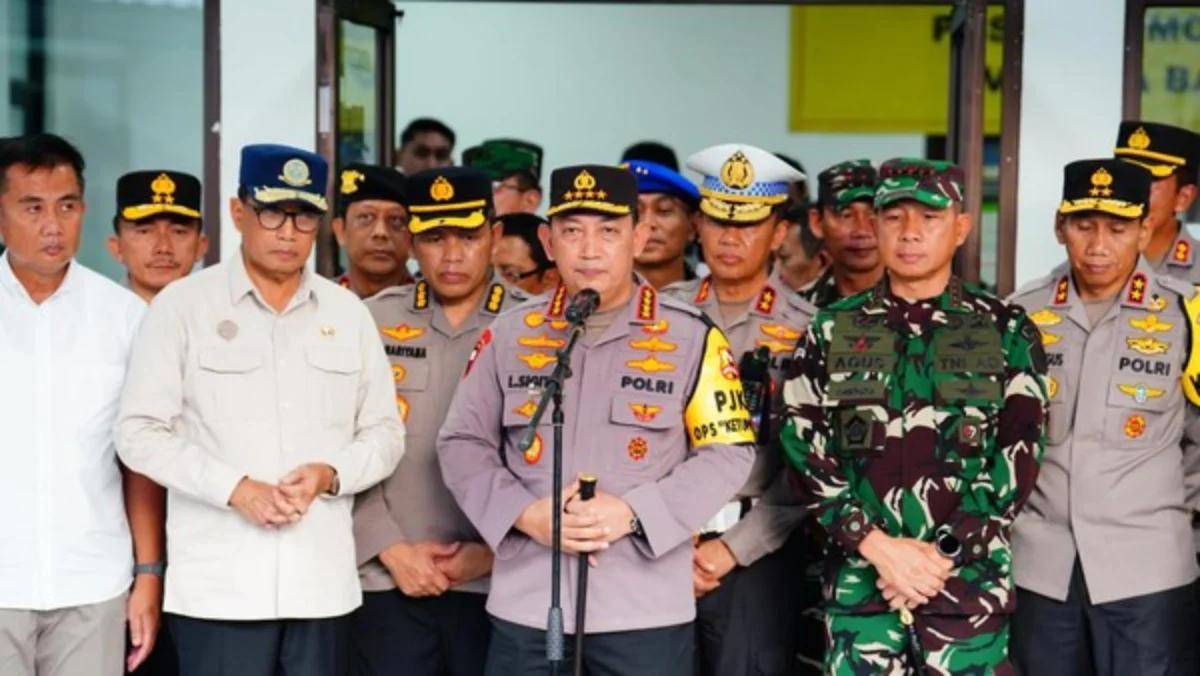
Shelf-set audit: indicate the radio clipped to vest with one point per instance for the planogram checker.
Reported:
(756, 382)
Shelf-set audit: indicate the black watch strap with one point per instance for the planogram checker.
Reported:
(158, 568)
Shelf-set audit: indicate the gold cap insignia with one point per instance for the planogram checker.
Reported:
(164, 189)
(1101, 180)
(441, 190)
(585, 181)
(1139, 139)
(295, 173)
(350, 180)
(737, 172)
(585, 188)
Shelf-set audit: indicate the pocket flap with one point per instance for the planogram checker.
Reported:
(411, 375)
(644, 411)
(334, 359)
(229, 360)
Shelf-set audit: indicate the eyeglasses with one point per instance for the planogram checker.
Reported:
(271, 218)
(498, 186)
(513, 276)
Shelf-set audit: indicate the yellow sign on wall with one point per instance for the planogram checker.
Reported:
(887, 68)
(881, 69)
(1171, 67)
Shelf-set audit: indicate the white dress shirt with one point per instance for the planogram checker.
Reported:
(64, 536)
(222, 387)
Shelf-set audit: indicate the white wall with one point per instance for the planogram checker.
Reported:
(586, 81)
(268, 87)
(1070, 110)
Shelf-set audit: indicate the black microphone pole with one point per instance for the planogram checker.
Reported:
(585, 303)
(587, 491)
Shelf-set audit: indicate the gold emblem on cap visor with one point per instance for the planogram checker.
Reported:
(164, 189)
(441, 190)
(295, 173)
(1139, 139)
(350, 181)
(737, 172)
(1101, 180)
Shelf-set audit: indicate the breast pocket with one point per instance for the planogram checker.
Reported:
(1139, 413)
(336, 373)
(519, 407)
(967, 413)
(646, 436)
(234, 385)
(1062, 390)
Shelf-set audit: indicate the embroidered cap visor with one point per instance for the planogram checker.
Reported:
(741, 183)
(1109, 186)
(595, 188)
(1161, 149)
(149, 194)
(275, 174)
(451, 197)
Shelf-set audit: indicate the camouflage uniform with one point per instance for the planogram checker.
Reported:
(839, 186)
(921, 419)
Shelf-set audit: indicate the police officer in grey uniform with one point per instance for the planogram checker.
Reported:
(747, 608)
(1103, 553)
(654, 409)
(422, 564)
(1172, 156)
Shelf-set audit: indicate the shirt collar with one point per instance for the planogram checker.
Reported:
(8, 279)
(240, 285)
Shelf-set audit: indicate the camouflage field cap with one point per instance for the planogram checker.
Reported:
(934, 183)
(846, 182)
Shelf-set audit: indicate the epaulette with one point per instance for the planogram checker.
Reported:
(391, 292)
(682, 290)
(800, 303)
(1182, 287)
(681, 306)
(1043, 282)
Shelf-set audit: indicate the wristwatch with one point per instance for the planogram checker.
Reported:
(158, 568)
(335, 487)
(948, 546)
(635, 527)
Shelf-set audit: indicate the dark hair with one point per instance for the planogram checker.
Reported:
(526, 226)
(811, 244)
(39, 151)
(652, 151)
(1187, 176)
(424, 125)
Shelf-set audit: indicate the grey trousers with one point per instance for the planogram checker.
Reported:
(80, 641)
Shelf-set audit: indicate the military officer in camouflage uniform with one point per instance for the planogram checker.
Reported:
(654, 409)
(422, 564)
(844, 219)
(915, 425)
(746, 613)
(371, 226)
(1105, 549)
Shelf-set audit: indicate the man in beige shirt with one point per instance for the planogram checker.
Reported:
(256, 385)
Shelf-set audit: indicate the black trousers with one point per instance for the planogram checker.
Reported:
(1151, 635)
(443, 635)
(266, 648)
(163, 661)
(521, 651)
(748, 626)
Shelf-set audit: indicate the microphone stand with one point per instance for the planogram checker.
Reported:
(553, 392)
(587, 491)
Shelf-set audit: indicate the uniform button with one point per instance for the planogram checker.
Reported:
(977, 550)
(855, 527)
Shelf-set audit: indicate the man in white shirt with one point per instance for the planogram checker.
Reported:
(66, 556)
(260, 396)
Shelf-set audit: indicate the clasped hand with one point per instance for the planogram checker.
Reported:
(286, 502)
(911, 572)
(588, 526)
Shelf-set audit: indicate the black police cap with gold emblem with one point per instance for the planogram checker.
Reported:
(593, 187)
(1161, 148)
(149, 194)
(1112, 186)
(360, 182)
(451, 197)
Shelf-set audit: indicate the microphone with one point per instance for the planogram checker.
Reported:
(582, 306)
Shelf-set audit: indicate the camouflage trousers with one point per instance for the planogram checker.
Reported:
(878, 645)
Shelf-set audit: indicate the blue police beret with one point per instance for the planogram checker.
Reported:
(656, 178)
(274, 173)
